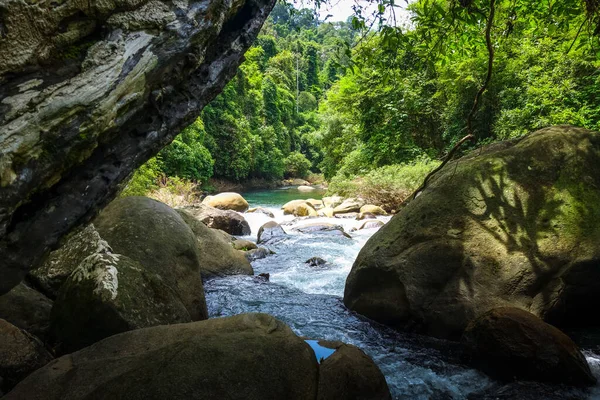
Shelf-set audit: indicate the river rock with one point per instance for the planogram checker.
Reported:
(260, 210)
(109, 294)
(332, 201)
(244, 245)
(226, 220)
(351, 215)
(90, 91)
(227, 201)
(350, 374)
(217, 253)
(326, 212)
(371, 209)
(304, 188)
(20, 355)
(351, 205)
(371, 224)
(257, 254)
(509, 343)
(270, 233)
(299, 208)
(363, 216)
(322, 227)
(315, 262)
(514, 224)
(317, 204)
(27, 309)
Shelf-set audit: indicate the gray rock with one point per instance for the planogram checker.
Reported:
(257, 254)
(322, 228)
(27, 309)
(91, 90)
(260, 210)
(315, 262)
(20, 355)
(225, 220)
(270, 233)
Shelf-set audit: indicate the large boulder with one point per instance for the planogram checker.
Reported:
(305, 188)
(299, 208)
(509, 343)
(227, 201)
(20, 355)
(226, 220)
(349, 374)
(515, 224)
(371, 209)
(250, 357)
(261, 210)
(27, 309)
(215, 251)
(90, 91)
(270, 233)
(332, 201)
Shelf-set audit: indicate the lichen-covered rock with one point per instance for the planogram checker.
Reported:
(227, 201)
(20, 355)
(154, 235)
(512, 344)
(217, 253)
(270, 233)
(107, 294)
(55, 270)
(90, 91)
(27, 309)
(225, 220)
(299, 208)
(349, 374)
(516, 224)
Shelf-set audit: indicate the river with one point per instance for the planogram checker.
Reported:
(309, 300)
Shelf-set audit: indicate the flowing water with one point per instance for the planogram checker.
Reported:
(309, 300)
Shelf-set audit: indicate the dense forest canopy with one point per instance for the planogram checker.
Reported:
(370, 98)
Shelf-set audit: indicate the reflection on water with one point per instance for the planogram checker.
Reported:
(320, 352)
(309, 300)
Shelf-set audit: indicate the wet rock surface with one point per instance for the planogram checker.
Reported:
(225, 220)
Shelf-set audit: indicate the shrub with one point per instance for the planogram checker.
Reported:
(144, 179)
(386, 186)
(296, 165)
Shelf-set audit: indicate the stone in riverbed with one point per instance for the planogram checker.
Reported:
(326, 212)
(226, 220)
(371, 209)
(227, 201)
(516, 224)
(20, 355)
(257, 254)
(332, 201)
(245, 357)
(371, 224)
(261, 210)
(270, 233)
(317, 204)
(299, 208)
(244, 245)
(315, 262)
(509, 343)
(27, 309)
(322, 227)
(304, 188)
(352, 205)
(217, 253)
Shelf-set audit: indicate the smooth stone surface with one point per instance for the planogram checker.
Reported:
(372, 209)
(227, 201)
(270, 232)
(261, 210)
(299, 208)
(512, 344)
(27, 309)
(226, 220)
(322, 228)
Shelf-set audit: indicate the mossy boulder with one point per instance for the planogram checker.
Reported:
(225, 220)
(248, 356)
(20, 355)
(513, 344)
(28, 309)
(227, 201)
(514, 224)
(372, 209)
(153, 234)
(217, 253)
